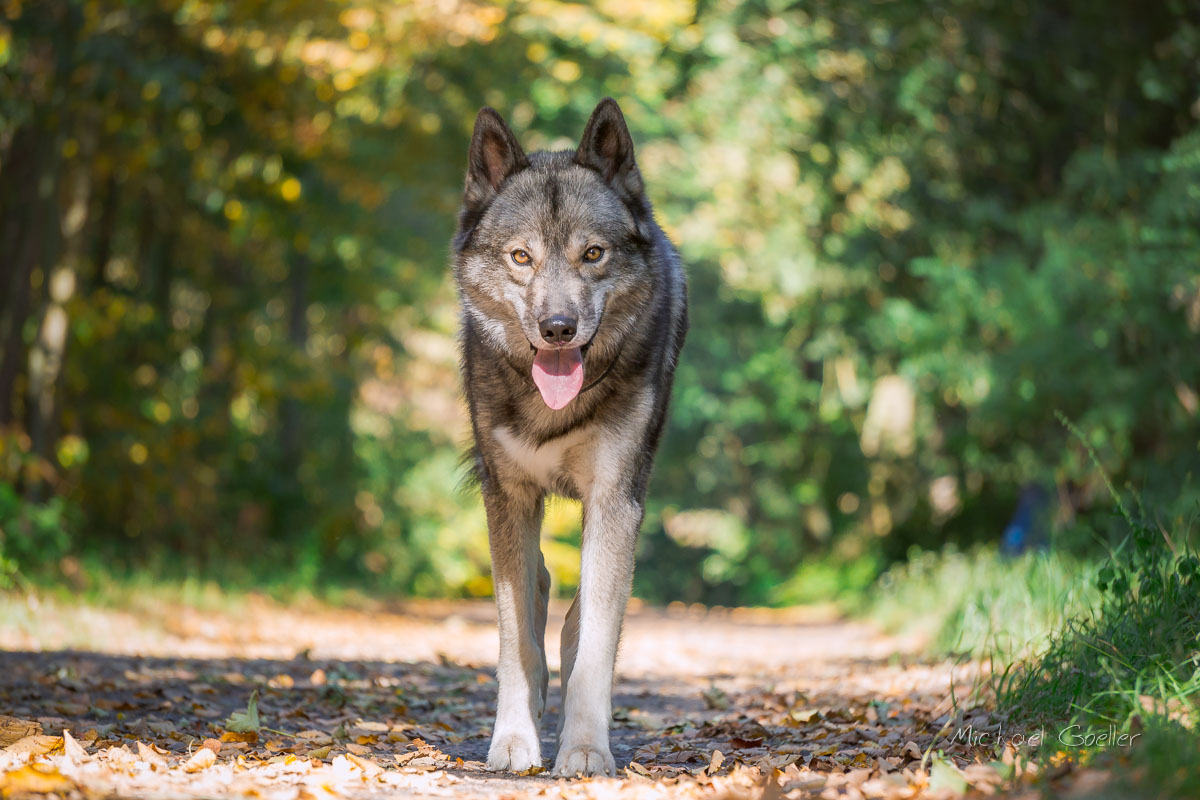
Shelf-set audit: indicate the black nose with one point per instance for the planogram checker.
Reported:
(558, 329)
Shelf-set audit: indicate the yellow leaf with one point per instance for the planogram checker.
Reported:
(804, 715)
(34, 779)
(715, 764)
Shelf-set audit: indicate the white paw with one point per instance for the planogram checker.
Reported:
(514, 752)
(584, 759)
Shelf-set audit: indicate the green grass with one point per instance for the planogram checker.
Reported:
(1111, 643)
(980, 603)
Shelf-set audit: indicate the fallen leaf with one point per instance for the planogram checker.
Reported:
(715, 698)
(805, 715)
(771, 790)
(37, 745)
(212, 744)
(715, 763)
(250, 737)
(243, 721)
(367, 766)
(151, 756)
(34, 779)
(202, 759)
(945, 776)
(13, 729)
(120, 758)
(745, 744)
(73, 749)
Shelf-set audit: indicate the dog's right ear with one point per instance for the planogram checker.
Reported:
(494, 155)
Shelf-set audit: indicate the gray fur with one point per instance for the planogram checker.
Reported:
(631, 308)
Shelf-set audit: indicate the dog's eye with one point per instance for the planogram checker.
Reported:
(593, 253)
(520, 257)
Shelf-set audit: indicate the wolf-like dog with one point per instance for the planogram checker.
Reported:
(574, 309)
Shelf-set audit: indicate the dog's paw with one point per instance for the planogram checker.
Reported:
(513, 752)
(584, 759)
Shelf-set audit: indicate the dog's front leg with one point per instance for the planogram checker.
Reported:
(611, 522)
(514, 516)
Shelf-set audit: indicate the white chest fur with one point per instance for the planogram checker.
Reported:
(542, 463)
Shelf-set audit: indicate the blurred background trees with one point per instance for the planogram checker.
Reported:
(914, 231)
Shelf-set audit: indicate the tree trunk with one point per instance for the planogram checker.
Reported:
(105, 226)
(28, 193)
(289, 432)
(49, 348)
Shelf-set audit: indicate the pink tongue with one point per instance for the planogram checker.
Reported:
(558, 375)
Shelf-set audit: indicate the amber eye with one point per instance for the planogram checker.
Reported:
(593, 253)
(520, 257)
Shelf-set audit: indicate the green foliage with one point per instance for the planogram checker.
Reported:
(913, 254)
(913, 231)
(32, 535)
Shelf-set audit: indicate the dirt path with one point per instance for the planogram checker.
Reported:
(358, 703)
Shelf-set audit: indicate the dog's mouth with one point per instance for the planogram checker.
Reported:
(558, 375)
(558, 372)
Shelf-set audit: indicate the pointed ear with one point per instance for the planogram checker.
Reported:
(607, 148)
(494, 155)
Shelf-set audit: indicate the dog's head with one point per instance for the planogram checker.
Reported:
(550, 254)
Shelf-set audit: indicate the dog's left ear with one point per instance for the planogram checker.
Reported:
(607, 148)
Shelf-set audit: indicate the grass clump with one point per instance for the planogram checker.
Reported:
(1079, 647)
(1131, 664)
(1136, 655)
(981, 603)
